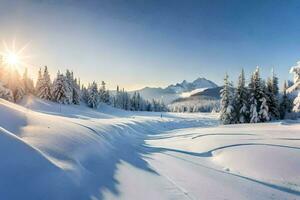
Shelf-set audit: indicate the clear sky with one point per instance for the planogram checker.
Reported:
(137, 43)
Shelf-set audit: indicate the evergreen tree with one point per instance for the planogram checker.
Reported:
(286, 103)
(16, 86)
(43, 87)
(254, 118)
(39, 81)
(106, 97)
(28, 83)
(272, 96)
(102, 93)
(5, 93)
(257, 98)
(139, 102)
(227, 110)
(133, 102)
(69, 86)
(60, 89)
(93, 96)
(295, 87)
(76, 93)
(241, 100)
(85, 94)
(264, 110)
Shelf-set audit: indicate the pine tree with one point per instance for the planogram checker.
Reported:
(254, 118)
(76, 92)
(39, 82)
(69, 86)
(286, 103)
(257, 98)
(28, 83)
(102, 93)
(241, 100)
(5, 93)
(16, 86)
(295, 88)
(227, 110)
(85, 94)
(93, 96)
(133, 102)
(296, 107)
(139, 102)
(264, 110)
(272, 96)
(106, 97)
(60, 89)
(43, 87)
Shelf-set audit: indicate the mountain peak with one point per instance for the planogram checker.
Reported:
(175, 91)
(186, 86)
(200, 79)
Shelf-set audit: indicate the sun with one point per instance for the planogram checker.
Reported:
(11, 59)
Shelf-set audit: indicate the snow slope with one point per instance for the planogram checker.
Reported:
(49, 151)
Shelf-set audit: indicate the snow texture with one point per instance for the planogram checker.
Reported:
(56, 151)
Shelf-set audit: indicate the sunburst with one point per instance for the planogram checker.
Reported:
(13, 57)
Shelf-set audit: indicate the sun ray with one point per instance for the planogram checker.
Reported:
(13, 57)
(19, 52)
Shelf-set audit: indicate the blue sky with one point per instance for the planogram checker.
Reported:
(137, 43)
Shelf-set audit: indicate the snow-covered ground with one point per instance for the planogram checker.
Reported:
(49, 151)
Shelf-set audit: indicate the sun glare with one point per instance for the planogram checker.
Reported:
(13, 57)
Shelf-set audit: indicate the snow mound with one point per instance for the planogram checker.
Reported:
(51, 151)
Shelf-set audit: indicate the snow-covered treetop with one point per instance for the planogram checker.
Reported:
(296, 71)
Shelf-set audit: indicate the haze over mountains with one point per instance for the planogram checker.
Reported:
(175, 91)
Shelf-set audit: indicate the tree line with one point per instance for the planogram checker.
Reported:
(259, 101)
(67, 89)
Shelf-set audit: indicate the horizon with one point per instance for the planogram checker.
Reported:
(130, 44)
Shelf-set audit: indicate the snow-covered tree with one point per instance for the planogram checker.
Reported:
(254, 118)
(5, 93)
(241, 100)
(122, 99)
(103, 93)
(272, 96)
(295, 88)
(76, 93)
(264, 110)
(73, 88)
(28, 83)
(16, 86)
(257, 97)
(69, 86)
(286, 104)
(84, 94)
(227, 109)
(43, 85)
(60, 90)
(158, 106)
(296, 107)
(39, 82)
(93, 96)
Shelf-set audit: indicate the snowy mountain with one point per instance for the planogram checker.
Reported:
(186, 86)
(175, 91)
(203, 101)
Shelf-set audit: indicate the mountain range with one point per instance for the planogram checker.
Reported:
(175, 91)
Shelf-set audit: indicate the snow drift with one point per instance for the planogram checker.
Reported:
(51, 151)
